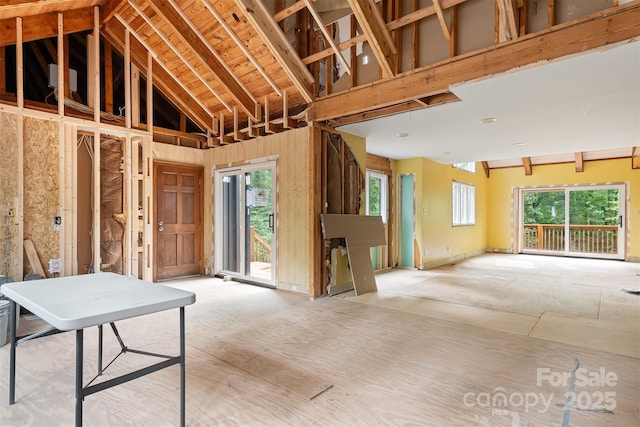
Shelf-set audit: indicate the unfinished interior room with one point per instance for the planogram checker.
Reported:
(320, 212)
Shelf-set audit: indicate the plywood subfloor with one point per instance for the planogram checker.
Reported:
(256, 357)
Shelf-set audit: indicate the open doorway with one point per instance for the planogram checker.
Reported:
(245, 223)
(586, 221)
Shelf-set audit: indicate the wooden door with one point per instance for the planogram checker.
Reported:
(178, 221)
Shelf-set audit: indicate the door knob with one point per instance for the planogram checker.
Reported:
(161, 226)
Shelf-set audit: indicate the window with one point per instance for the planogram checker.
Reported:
(464, 204)
(467, 166)
(377, 195)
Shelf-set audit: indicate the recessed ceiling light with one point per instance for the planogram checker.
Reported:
(402, 134)
(518, 144)
(488, 120)
(446, 153)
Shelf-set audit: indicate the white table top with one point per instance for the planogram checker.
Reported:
(76, 302)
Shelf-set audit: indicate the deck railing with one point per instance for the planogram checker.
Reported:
(593, 239)
(260, 249)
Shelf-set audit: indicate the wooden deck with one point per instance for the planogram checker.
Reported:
(421, 351)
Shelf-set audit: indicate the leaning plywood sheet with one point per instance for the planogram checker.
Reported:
(360, 233)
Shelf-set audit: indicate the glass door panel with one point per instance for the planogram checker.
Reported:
(543, 221)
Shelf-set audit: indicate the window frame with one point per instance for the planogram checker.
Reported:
(463, 204)
(384, 193)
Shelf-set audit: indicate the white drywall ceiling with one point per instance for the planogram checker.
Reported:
(583, 103)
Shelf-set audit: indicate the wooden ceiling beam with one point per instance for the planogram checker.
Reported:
(526, 163)
(211, 58)
(11, 9)
(635, 158)
(39, 27)
(291, 10)
(377, 34)
(487, 169)
(596, 30)
(579, 162)
(163, 79)
(111, 8)
(279, 46)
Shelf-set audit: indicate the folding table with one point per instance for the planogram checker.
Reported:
(78, 302)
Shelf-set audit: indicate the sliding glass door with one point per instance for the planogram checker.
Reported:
(574, 221)
(245, 223)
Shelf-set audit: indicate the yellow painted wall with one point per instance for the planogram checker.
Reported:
(438, 240)
(503, 182)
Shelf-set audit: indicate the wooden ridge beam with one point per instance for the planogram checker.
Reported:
(37, 27)
(279, 46)
(377, 34)
(166, 9)
(594, 31)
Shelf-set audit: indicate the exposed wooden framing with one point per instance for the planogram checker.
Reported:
(237, 135)
(96, 200)
(353, 24)
(487, 169)
(497, 34)
(326, 128)
(183, 123)
(202, 117)
(378, 163)
(267, 118)
(523, 17)
(65, 64)
(453, 41)
(95, 71)
(90, 76)
(224, 139)
(127, 77)
(393, 25)
(443, 22)
(178, 20)
(635, 157)
(508, 27)
(526, 163)
(108, 77)
(279, 46)
(111, 8)
(149, 93)
(39, 27)
(327, 36)
(286, 12)
(551, 13)
(135, 96)
(3, 74)
(597, 30)
(579, 162)
(377, 34)
(278, 6)
(242, 47)
(398, 39)
(415, 40)
(314, 236)
(328, 69)
(287, 122)
(179, 54)
(129, 187)
(71, 215)
(61, 70)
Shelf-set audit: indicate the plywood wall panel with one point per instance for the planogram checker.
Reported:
(41, 188)
(9, 194)
(291, 149)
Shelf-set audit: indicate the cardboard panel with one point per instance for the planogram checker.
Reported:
(360, 233)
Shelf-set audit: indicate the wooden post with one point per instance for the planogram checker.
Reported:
(19, 64)
(96, 143)
(61, 82)
(135, 96)
(127, 77)
(150, 93)
(108, 78)
(540, 236)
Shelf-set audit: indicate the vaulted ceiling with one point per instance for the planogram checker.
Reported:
(240, 67)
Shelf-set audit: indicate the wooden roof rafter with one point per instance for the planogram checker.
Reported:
(179, 54)
(443, 23)
(241, 45)
(176, 19)
(376, 33)
(164, 79)
(507, 20)
(279, 46)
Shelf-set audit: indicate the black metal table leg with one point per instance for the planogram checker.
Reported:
(182, 368)
(12, 353)
(79, 366)
(99, 349)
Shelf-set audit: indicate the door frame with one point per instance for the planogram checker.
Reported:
(218, 223)
(623, 211)
(154, 224)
